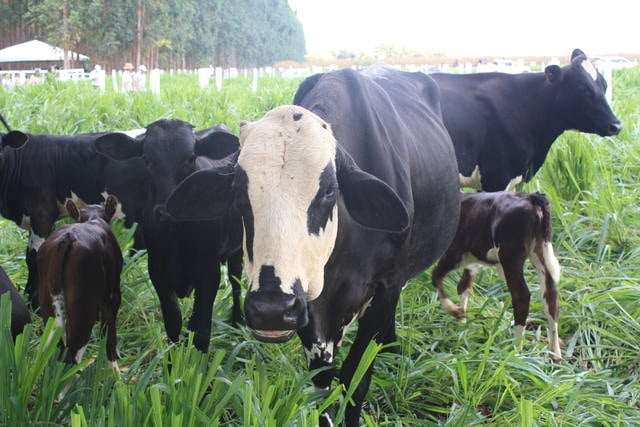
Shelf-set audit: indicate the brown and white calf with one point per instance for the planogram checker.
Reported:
(79, 278)
(504, 229)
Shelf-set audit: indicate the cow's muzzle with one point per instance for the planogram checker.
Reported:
(160, 213)
(614, 128)
(274, 316)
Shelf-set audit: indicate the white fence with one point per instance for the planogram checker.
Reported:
(217, 75)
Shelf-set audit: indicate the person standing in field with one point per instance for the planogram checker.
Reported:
(127, 77)
(97, 77)
(140, 78)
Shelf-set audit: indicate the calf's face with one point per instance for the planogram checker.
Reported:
(169, 151)
(286, 186)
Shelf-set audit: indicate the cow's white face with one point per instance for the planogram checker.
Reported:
(285, 186)
(289, 160)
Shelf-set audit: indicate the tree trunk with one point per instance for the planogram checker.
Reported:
(65, 34)
(140, 30)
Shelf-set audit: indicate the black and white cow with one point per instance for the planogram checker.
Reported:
(182, 256)
(503, 125)
(38, 172)
(344, 197)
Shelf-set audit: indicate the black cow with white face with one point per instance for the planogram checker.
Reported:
(182, 256)
(38, 172)
(503, 125)
(344, 197)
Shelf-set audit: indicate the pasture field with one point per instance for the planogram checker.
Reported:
(448, 373)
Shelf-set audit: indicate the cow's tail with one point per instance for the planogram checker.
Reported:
(545, 247)
(541, 202)
(4, 122)
(52, 274)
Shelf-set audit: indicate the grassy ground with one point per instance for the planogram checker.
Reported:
(448, 373)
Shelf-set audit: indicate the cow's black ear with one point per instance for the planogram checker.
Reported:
(370, 201)
(72, 209)
(578, 53)
(553, 73)
(110, 206)
(216, 144)
(14, 139)
(203, 195)
(118, 146)
(305, 87)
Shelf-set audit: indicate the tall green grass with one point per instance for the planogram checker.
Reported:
(447, 373)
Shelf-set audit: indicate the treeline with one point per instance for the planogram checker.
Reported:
(160, 33)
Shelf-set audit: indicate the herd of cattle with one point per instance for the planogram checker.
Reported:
(335, 202)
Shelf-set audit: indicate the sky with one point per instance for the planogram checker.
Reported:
(471, 28)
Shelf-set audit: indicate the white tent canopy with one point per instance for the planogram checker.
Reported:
(36, 51)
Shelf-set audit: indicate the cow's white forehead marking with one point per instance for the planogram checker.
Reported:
(284, 155)
(590, 69)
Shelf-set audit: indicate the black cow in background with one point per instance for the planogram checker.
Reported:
(503, 125)
(181, 256)
(19, 310)
(39, 171)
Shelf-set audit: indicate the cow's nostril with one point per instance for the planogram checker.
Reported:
(161, 213)
(615, 128)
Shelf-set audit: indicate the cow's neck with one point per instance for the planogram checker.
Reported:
(546, 120)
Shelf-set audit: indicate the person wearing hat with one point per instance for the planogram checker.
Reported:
(140, 78)
(127, 77)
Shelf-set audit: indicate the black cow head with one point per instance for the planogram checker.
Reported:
(286, 183)
(169, 150)
(580, 97)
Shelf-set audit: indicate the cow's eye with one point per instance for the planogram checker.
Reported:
(189, 165)
(147, 162)
(584, 90)
(330, 193)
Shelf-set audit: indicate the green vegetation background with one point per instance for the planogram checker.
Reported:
(448, 373)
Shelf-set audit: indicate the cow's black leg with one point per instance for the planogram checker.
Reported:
(320, 354)
(234, 271)
(200, 321)
(373, 324)
(170, 308)
(465, 285)
(389, 336)
(169, 305)
(446, 264)
(31, 288)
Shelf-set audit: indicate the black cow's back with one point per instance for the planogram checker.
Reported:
(389, 122)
